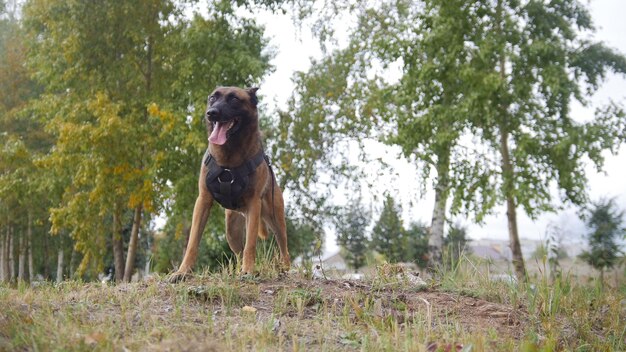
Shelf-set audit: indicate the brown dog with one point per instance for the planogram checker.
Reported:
(236, 173)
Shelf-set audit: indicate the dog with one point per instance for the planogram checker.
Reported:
(236, 173)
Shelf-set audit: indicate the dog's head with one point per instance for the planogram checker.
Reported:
(230, 110)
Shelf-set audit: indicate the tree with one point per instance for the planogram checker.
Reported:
(455, 242)
(102, 84)
(314, 137)
(539, 64)
(425, 112)
(604, 221)
(388, 236)
(22, 142)
(507, 72)
(305, 240)
(125, 88)
(351, 226)
(417, 250)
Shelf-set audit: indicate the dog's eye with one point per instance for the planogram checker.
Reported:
(234, 99)
(211, 99)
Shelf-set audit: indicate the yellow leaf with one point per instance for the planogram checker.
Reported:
(153, 109)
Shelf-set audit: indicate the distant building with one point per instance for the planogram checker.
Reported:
(332, 260)
(491, 252)
(500, 250)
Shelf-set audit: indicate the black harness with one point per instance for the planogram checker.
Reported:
(227, 185)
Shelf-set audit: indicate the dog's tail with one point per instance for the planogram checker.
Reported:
(263, 230)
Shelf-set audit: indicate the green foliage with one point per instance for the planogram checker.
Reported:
(543, 251)
(351, 226)
(397, 243)
(455, 242)
(388, 237)
(483, 97)
(96, 107)
(117, 124)
(326, 119)
(551, 66)
(305, 240)
(416, 250)
(605, 222)
(101, 105)
(24, 197)
(169, 248)
(125, 90)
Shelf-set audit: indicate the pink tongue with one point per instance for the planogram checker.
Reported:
(218, 136)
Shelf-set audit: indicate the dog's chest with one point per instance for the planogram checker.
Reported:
(228, 185)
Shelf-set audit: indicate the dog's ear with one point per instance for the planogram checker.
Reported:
(252, 93)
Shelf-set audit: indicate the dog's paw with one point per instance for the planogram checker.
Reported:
(178, 277)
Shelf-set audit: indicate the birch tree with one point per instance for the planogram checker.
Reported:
(124, 87)
(484, 97)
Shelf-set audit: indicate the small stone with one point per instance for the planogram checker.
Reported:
(248, 309)
(276, 325)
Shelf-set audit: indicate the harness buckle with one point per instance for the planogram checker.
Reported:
(232, 177)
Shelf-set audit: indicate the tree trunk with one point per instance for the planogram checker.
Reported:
(516, 249)
(46, 257)
(132, 246)
(21, 266)
(435, 240)
(60, 263)
(2, 257)
(118, 247)
(602, 277)
(72, 265)
(29, 234)
(31, 267)
(11, 254)
(508, 174)
(511, 213)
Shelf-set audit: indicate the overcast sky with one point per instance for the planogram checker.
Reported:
(295, 48)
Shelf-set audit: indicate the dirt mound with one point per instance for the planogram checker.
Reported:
(225, 312)
(401, 302)
(394, 302)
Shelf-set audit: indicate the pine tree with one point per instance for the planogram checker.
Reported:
(416, 250)
(351, 226)
(605, 222)
(455, 242)
(388, 237)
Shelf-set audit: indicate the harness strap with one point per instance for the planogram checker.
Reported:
(269, 165)
(227, 185)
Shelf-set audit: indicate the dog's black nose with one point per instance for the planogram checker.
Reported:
(212, 112)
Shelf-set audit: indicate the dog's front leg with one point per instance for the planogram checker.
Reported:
(253, 218)
(201, 212)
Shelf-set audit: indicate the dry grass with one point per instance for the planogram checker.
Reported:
(291, 312)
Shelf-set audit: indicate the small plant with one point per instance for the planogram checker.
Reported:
(297, 300)
(605, 222)
(351, 225)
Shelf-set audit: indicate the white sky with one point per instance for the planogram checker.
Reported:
(296, 47)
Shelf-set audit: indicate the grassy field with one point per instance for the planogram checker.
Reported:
(462, 311)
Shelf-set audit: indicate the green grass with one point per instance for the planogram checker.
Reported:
(566, 312)
(272, 312)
